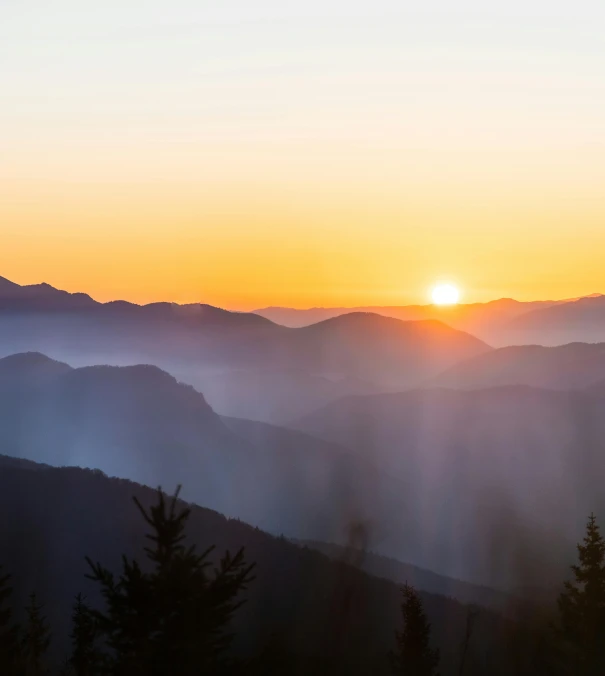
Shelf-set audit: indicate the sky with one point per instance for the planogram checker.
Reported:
(249, 153)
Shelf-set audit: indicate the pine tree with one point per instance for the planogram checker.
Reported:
(174, 618)
(582, 607)
(36, 639)
(85, 658)
(413, 655)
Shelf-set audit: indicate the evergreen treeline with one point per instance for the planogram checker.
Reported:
(173, 610)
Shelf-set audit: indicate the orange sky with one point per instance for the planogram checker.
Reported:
(283, 159)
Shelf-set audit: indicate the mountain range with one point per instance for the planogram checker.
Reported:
(564, 367)
(229, 355)
(498, 322)
(436, 477)
(441, 450)
(139, 423)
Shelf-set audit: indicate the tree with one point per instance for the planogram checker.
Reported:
(36, 639)
(582, 607)
(413, 655)
(173, 618)
(85, 658)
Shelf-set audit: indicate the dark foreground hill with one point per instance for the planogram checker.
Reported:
(420, 578)
(323, 612)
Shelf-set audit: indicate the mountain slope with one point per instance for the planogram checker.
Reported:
(572, 366)
(40, 297)
(138, 422)
(581, 320)
(419, 578)
(272, 395)
(484, 469)
(382, 349)
(320, 609)
(199, 342)
(484, 320)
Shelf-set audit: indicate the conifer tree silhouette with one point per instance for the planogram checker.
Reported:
(413, 655)
(36, 639)
(582, 607)
(85, 660)
(175, 617)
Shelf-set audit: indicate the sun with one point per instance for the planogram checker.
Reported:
(445, 294)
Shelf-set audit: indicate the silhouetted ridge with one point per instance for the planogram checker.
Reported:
(581, 319)
(420, 578)
(299, 594)
(138, 386)
(41, 298)
(6, 286)
(195, 340)
(202, 313)
(571, 366)
(46, 298)
(139, 422)
(371, 323)
(32, 367)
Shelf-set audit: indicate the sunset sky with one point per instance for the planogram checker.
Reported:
(248, 153)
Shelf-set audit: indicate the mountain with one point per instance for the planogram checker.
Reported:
(497, 476)
(273, 395)
(140, 423)
(487, 321)
(581, 320)
(320, 609)
(431, 477)
(40, 297)
(419, 578)
(202, 344)
(572, 366)
(383, 350)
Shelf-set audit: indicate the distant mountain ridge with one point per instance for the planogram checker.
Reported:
(581, 320)
(46, 298)
(500, 322)
(361, 351)
(564, 367)
(497, 322)
(463, 312)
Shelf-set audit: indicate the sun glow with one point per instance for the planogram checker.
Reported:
(445, 294)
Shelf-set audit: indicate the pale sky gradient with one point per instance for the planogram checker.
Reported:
(247, 153)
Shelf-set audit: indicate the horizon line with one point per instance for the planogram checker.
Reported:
(308, 308)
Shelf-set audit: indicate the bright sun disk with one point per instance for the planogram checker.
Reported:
(445, 294)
